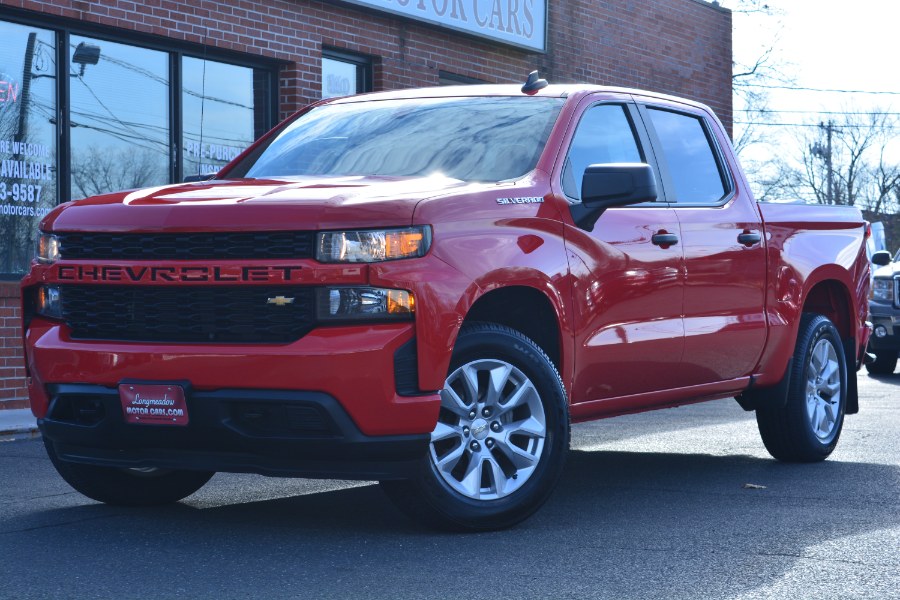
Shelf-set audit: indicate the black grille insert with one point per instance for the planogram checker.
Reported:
(269, 419)
(193, 314)
(187, 246)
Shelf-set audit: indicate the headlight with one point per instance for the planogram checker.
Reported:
(883, 290)
(49, 302)
(47, 250)
(374, 245)
(364, 303)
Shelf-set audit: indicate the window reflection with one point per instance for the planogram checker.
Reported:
(218, 107)
(28, 148)
(119, 116)
(604, 136)
(339, 78)
(471, 139)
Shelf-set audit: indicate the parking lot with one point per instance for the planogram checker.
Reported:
(679, 503)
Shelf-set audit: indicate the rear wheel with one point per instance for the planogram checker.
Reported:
(807, 427)
(128, 487)
(885, 363)
(500, 442)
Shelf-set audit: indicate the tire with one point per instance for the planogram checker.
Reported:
(807, 427)
(885, 363)
(128, 487)
(501, 440)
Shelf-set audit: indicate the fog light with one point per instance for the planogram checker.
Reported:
(364, 303)
(49, 301)
(880, 331)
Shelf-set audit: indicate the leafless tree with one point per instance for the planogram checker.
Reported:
(852, 168)
(885, 186)
(100, 171)
(838, 166)
(764, 66)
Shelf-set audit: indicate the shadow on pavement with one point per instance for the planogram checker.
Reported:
(893, 378)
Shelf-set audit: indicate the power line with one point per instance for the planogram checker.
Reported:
(765, 124)
(819, 112)
(810, 89)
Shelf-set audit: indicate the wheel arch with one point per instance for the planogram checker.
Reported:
(525, 309)
(827, 295)
(831, 298)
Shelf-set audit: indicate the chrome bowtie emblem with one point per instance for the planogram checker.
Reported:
(280, 300)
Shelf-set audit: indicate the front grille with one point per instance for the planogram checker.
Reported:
(192, 314)
(187, 246)
(897, 292)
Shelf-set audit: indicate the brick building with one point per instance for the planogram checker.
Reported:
(98, 95)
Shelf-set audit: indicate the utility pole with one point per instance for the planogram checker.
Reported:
(26, 87)
(825, 153)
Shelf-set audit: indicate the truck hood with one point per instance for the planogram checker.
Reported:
(256, 205)
(890, 270)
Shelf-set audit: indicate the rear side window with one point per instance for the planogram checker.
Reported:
(689, 154)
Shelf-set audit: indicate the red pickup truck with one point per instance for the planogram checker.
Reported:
(425, 288)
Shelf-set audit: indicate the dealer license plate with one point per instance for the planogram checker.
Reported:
(153, 404)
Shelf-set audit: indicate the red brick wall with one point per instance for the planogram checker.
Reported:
(13, 393)
(680, 47)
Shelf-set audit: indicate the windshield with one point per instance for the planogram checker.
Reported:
(470, 139)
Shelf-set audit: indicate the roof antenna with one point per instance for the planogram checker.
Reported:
(534, 83)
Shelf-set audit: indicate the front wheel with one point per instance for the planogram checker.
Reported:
(807, 427)
(885, 363)
(501, 439)
(128, 487)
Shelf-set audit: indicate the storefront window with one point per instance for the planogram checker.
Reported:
(123, 119)
(345, 74)
(27, 140)
(219, 119)
(119, 116)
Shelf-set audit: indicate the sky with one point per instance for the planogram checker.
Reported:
(826, 44)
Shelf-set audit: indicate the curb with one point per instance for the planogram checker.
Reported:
(18, 424)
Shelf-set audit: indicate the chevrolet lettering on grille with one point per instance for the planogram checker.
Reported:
(185, 274)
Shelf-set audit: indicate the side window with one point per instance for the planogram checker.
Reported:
(692, 163)
(604, 135)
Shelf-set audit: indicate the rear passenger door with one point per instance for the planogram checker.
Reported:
(722, 241)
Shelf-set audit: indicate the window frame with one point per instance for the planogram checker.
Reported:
(725, 175)
(644, 145)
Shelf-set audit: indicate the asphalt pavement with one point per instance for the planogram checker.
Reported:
(677, 503)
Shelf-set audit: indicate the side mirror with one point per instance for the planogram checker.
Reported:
(609, 185)
(881, 258)
(196, 178)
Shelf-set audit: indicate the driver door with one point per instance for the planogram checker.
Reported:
(628, 272)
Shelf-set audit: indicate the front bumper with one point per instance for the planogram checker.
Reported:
(885, 320)
(355, 365)
(278, 433)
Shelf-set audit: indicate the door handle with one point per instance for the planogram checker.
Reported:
(749, 238)
(664, 239)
